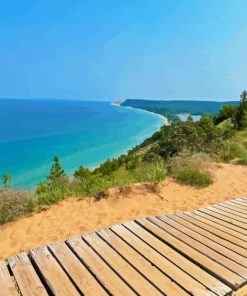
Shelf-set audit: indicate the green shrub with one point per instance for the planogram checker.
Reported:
(194, 177)
(150, 156)
(82, 173)
(236, 151)
(144, 172)
(150, 172)
(242, 161)
(52, 196)
(191, 169)
(232, 151)
(14, 204)
(245, 144)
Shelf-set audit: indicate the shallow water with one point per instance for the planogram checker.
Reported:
(79, 132)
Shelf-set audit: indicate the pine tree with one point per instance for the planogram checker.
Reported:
(82, 173)
(241, 116)
(56, 173)
(243, 98)
(6, 180)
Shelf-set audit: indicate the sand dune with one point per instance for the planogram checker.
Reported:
(73, 217)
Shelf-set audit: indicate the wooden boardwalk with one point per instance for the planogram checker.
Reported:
(203, 252)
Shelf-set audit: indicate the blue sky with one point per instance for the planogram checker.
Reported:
(108, 49)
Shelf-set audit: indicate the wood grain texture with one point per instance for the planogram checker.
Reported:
(120, 266)
(109, 279)
(221, 245)
(25, 275)
(166, 234)
(225, 220)
(217, 229)
(237, 209)
(184, 264)
(54, 276)
(82, 278)
(148, 270)
(201, 244)
(7, 284)
(220, 224)
(165, 265)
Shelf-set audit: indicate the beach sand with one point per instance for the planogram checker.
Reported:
(73, 217)
(166, 121)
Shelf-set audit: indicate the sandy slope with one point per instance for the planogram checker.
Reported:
(73, 217)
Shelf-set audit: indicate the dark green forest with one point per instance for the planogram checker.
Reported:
(171, 108)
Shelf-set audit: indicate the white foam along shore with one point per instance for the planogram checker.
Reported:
(166, 121)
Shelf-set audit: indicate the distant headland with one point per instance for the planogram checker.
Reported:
(172, 108)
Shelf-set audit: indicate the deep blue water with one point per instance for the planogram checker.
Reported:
(79, 132)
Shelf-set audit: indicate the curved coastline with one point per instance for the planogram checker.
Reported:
(27, 170)
(166, 122)
(117, 154)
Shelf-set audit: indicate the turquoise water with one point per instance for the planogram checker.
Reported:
(79, 132)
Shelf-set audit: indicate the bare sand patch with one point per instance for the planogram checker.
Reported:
(72, 217)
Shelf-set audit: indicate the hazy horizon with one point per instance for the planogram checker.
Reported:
(116, 99)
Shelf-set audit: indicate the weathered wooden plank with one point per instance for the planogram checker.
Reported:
(242, 200)
(236, 203)
(120, 266)
(82, 278)
(235, 208)
(54, 276)
(165, 265)
(239, 203)
(219, 271)
(223, 246)
(242, 222)
(109, 279)
(225, 218)
(162, 282)
(25, 275)
(217, 235)
(207, 247)
(231, 211)
(7, 284)
(233, 230)
(192, 269)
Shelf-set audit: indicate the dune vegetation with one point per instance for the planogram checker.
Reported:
(182, 150)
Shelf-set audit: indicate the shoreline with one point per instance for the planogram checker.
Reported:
(166, 121)
(129, 107)
(116, 154)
